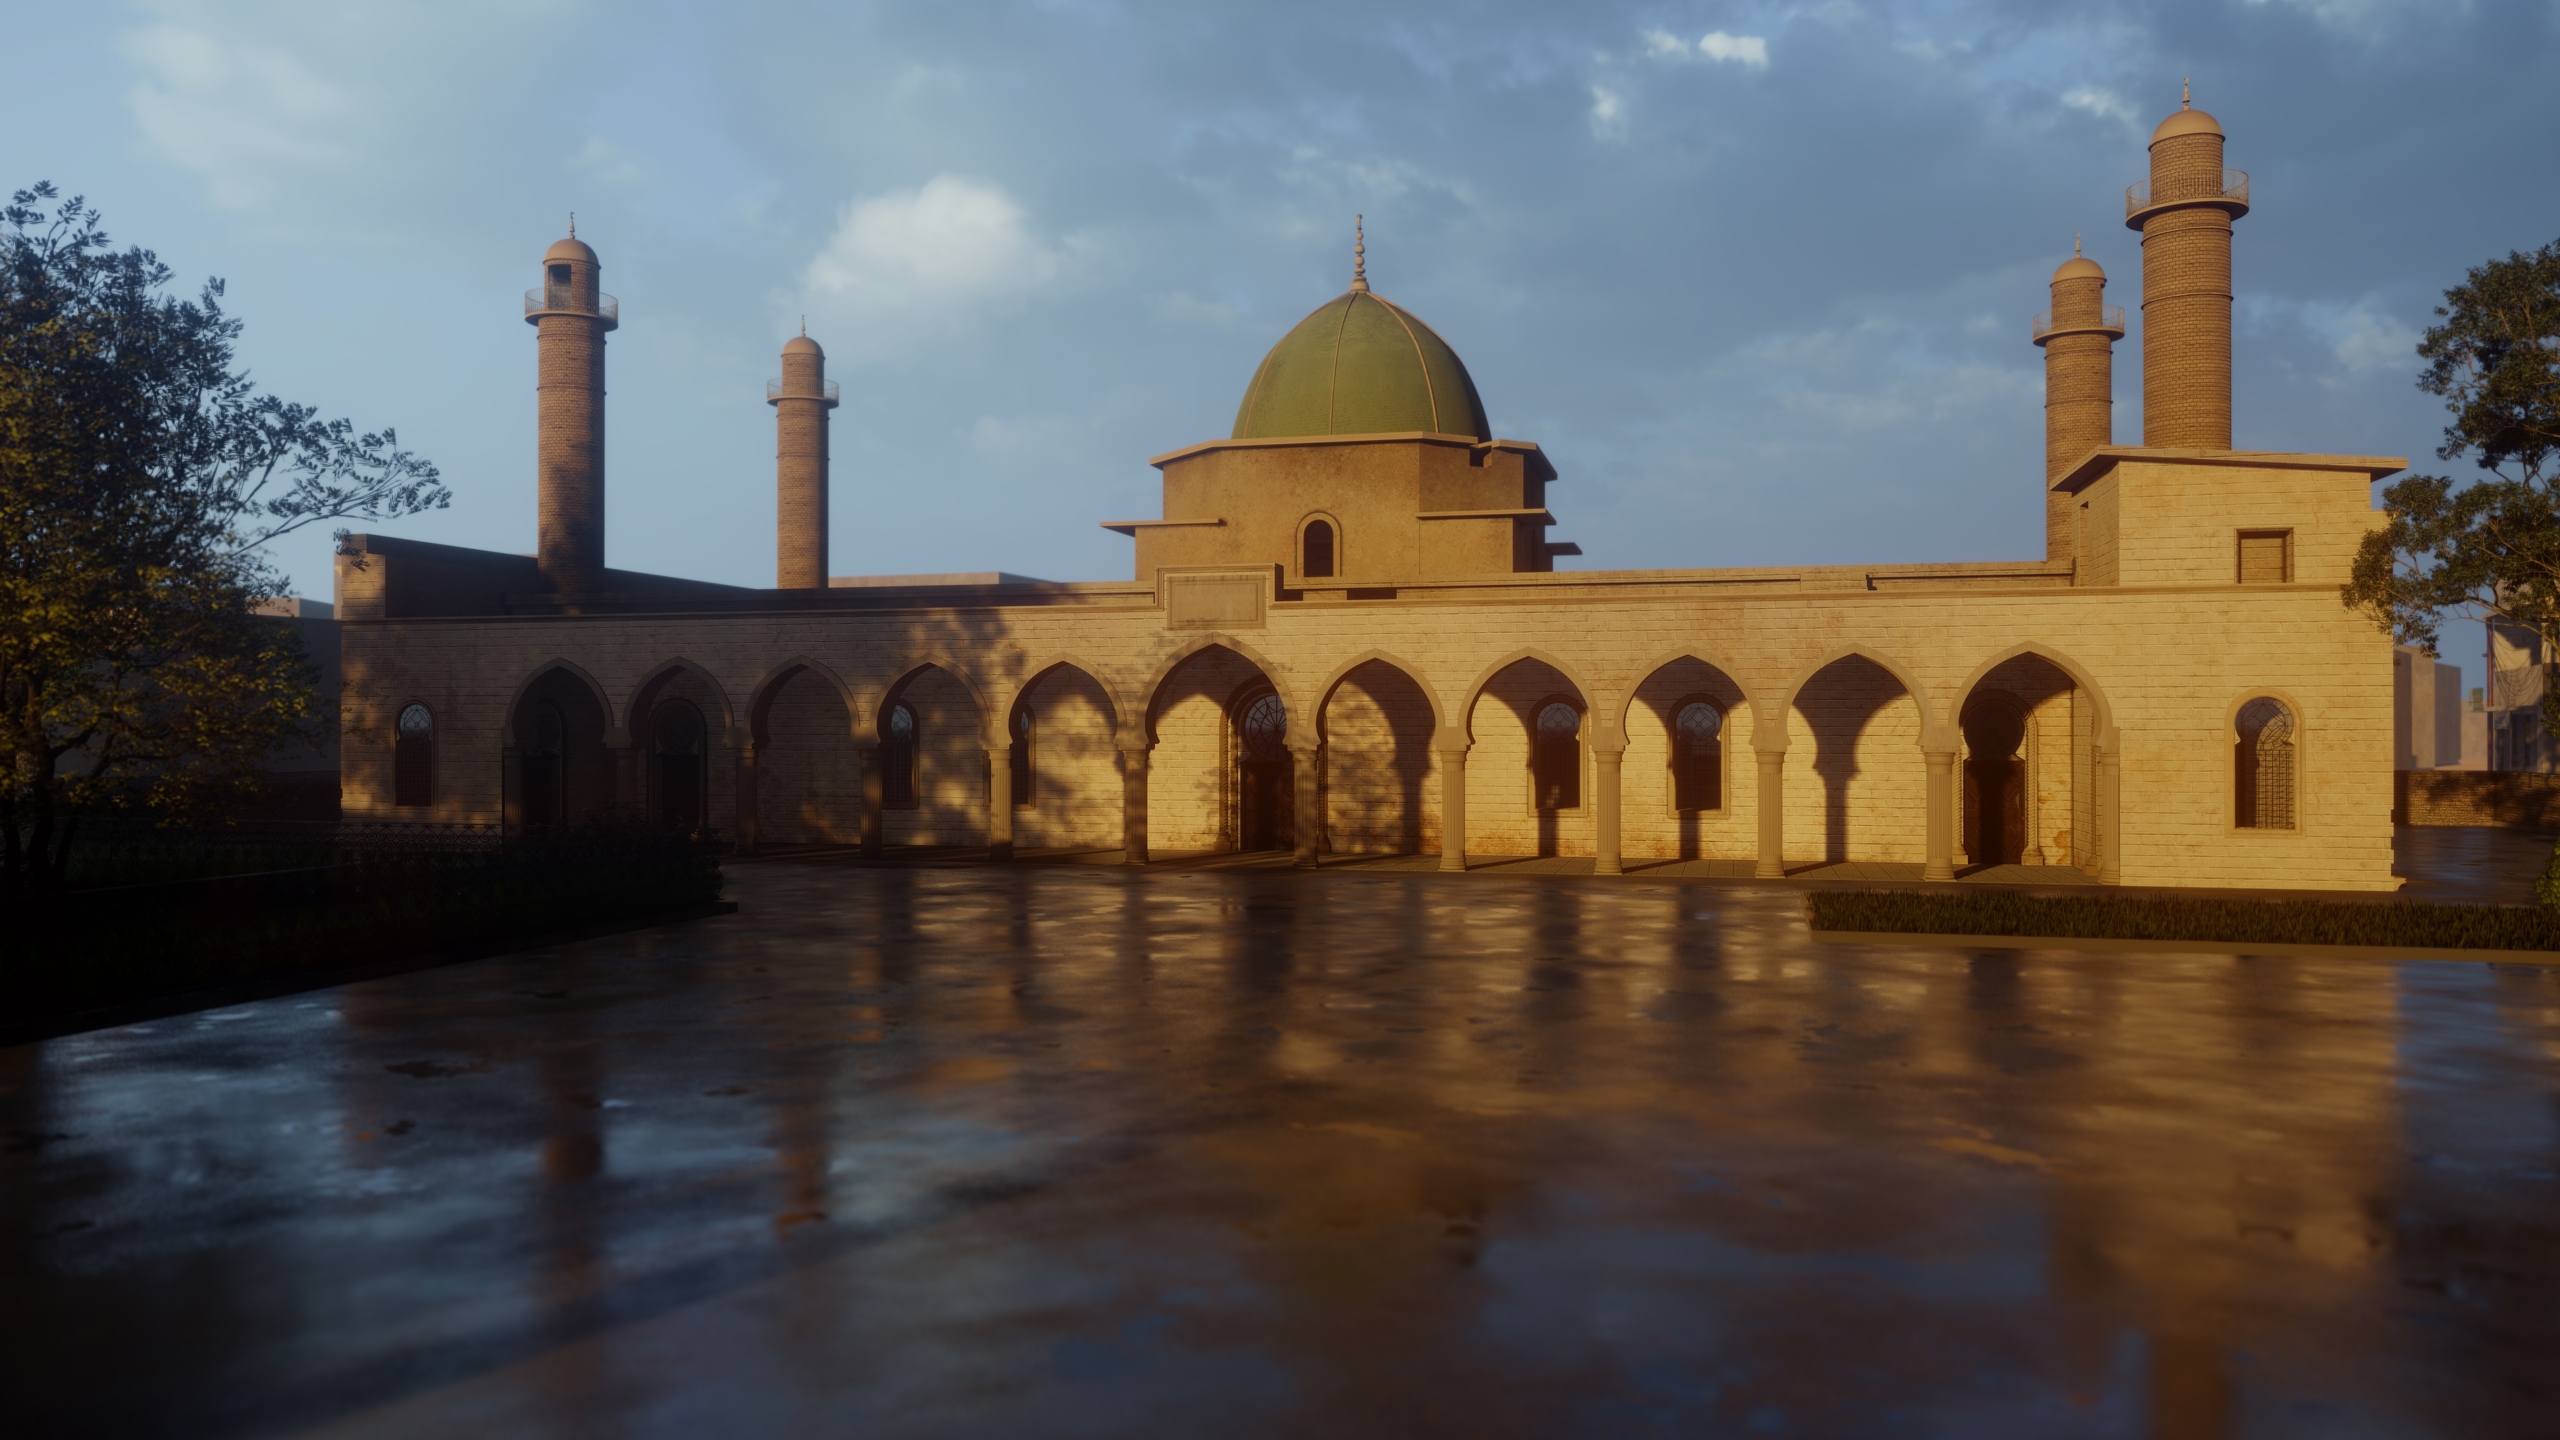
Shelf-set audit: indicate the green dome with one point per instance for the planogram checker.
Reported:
(1360, 366)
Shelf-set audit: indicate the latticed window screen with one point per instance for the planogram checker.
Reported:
(2266, 557)
(1023, 774)
(1266, 730)
(898, 759)
(1556, 765)
(413, 758)
(2262, 769)
(1697, 757)
(1319, 556)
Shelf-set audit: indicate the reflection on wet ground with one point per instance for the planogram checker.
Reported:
(1076, 1151)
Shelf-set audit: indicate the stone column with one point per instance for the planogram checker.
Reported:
(2110, 816)
(1133, 804)
(1307, 792)
(1453, 807)
(1940, 841)
(746, 799)
(1773, 816)
(1604, 812)
(1000, 801)
(874, 840)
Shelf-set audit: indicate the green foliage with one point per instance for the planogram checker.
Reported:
(2491, 548)
(140, 472)
(2237, 922)
(2546, 887)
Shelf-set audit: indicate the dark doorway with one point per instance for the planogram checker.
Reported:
(677, 731)
(1266, 787)
(545, 776)
(1995, 784)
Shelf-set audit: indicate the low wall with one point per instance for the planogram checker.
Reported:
(2519, 799)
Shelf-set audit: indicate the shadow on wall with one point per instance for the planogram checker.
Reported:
(1858, 714)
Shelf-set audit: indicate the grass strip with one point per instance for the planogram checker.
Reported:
(2238, 922)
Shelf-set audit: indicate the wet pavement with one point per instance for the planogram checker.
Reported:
(1076, 1151)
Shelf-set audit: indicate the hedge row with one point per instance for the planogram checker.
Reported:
(2238, 922)
(108, 946)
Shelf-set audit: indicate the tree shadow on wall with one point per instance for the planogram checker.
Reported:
(1838, 704)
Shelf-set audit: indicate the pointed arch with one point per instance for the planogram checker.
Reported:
(1036, 670)
(576, 671)
(1911, 686)
(760, 700)
(2078, 672)
(1673, 656)
(1276, 674)
(1323, 693)
(916, 663)
(665, 670)
(1592, 696)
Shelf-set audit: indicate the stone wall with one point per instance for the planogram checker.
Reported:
(2512, 798)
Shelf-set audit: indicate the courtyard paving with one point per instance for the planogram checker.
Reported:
(1063, 1150)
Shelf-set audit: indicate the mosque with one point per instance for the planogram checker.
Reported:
(1345, 635)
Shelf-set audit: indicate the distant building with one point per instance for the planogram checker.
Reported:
(1346, 633)
(303, 784)
(2426, 711)
(2517, 738)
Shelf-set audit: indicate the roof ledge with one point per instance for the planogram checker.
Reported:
(2089, 467)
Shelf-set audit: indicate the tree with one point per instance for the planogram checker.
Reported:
(2491, 549)
(140, 475)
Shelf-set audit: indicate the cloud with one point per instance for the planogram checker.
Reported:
(952, 245)
(2105, 104)
(1608, 113)
(1716, 45)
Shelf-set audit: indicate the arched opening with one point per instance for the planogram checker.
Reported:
(901, 740)
(413, 759)
(1697, 756)
(2263, 766)
(808, 773)
(1995, 781)
(1870, 801)
(559, 771)
(1316, 550)
(1556, 762)
(1378, 771)
(1024, 772)
(1266, 788)
(676, 746)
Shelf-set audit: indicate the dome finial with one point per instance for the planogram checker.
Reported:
(1359, 254)
(2075, 244)
(2186, 92)
(804, 320)
(573, 224)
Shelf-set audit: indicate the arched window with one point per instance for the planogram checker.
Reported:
(413, 759)
(1316, 550)
(1556, 763)
(2262, 766)
(1266, 730)
(546, 795)
(898, 758)
(1023, 773)
(1697, 757)
(677, 731)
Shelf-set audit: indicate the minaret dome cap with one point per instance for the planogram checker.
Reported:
(571, 248)
(2079, 267)
(802, 345)
(2185, 122)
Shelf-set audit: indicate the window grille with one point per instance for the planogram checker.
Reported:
(2263, 766)
(2266, 557)
(1556, 765)
(1697, 757)
(413, 759)
(1023, 774)
(1266, 730)
(1318, 559)
(898, 759)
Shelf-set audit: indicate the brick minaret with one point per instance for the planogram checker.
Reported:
(2079, 336)
(2184, 212)
(571, 316)
(800, 401)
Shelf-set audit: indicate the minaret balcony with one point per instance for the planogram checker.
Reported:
(544, 300)
(2176, 192)
(2110, 322)
(776, 390)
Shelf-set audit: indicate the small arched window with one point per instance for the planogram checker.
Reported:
(1266, 730)
(2262, 766)
(1023, 772)
(1697, 757)
(1556, 762)
(1316, 557)
(546, 793)
(898, 758)
(413, 759)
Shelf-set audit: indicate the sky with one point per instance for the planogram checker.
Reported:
(1757, 277)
